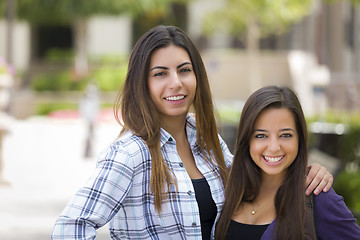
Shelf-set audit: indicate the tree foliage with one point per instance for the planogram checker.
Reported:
(354, 2)
(67, 11)
(270, 16)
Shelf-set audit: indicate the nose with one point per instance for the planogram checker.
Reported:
(175, 81)
(274, 144)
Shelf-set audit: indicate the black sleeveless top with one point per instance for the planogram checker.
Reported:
(206, 205)
(238, 230)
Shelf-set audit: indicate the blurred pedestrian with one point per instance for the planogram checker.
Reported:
(6, 84)
(89, 109)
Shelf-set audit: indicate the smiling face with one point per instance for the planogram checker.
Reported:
(171, 81)
(274, 142)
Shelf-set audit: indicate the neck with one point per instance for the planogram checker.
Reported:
(268, 188)
(175, 126)
(272, 181)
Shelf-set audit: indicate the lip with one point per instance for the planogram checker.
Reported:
(273, 160)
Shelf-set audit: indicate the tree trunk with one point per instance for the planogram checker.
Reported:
(10, 15)
(81, 60)
(318, 32)
(357, 40)
(253, 55)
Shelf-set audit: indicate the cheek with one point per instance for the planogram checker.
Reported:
(190, 81)
(152, 94)
(292, 149)
(191, 85)
(150, 87)
(154, 90)
(295, 150)
(255, 149)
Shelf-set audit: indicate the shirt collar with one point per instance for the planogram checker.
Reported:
(190, 128)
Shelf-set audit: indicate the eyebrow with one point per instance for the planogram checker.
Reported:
(281, 130)
(166, 68)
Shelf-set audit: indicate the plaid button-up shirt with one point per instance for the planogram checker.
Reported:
(118, 192)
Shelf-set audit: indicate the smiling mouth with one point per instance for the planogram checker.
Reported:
(175, 98)
(273, 159)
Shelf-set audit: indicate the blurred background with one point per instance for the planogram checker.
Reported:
(62, 62)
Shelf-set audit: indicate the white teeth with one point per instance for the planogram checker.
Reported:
(273, 159)
(175, 98)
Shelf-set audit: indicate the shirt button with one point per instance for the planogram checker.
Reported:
(170, 139)
(181, 164)
(193, 224)
(189, 192)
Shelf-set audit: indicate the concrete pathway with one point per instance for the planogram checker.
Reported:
(44, 164)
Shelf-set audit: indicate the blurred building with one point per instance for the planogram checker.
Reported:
(319, 56)
(106, 35)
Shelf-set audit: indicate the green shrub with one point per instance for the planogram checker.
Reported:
(46, 108)
(107, 78)
(59, 81)
(230, 112)
(110, 78)
(59, 55)
(348, 143)
(337, 117)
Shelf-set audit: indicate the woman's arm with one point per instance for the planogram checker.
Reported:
(318, 179)
(98, 201)
(333, 220)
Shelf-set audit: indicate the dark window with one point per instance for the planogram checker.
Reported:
(52, 37)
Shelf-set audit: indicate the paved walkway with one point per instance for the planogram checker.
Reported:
(44, 164)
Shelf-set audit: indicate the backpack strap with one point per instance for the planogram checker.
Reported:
(310, 227)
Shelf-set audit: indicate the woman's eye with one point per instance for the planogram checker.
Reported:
(159, 74)
(260, 136)
(286, 135)
(185, 70)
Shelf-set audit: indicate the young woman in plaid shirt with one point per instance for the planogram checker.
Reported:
(164, 177)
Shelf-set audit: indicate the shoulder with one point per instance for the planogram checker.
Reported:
(132, 143)
(128, 146)
(328, 197)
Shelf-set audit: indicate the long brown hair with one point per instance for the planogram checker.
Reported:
(140, 115)
(245, 176)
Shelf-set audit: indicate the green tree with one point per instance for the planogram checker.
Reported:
(76, 13)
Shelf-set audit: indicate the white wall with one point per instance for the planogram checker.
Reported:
(109, 35)
(21, 43)
(196, 13)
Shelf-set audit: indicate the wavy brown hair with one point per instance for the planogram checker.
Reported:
(245, 176)
(140, 115)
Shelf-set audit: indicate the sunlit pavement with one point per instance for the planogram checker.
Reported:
(43, 161)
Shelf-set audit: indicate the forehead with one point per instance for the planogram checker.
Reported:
(169, 55)
(275, 118)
